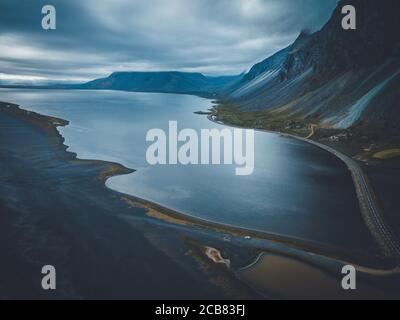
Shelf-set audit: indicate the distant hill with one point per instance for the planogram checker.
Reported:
(164, 82)
(335, 78)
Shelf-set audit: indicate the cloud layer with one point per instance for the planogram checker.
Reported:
(94, 38)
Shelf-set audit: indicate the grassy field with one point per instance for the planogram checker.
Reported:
(367, 144)
(231, 114)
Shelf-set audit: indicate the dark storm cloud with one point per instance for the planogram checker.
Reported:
(94, 38)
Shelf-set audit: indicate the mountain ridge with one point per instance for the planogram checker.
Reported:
(335, 78)
(164, 82)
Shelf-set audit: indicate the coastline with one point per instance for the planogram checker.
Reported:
(370, 209)
(57, 210)
(156, 211)
(50, 125)
(320, 257)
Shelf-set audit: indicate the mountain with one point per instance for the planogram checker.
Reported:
(165, 82)
(259, 74)
(335, 78)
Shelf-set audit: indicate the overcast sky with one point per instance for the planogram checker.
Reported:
(94, 38)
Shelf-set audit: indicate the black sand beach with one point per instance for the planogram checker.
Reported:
(56, 210)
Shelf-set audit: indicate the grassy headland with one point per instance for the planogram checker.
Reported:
(371, 146)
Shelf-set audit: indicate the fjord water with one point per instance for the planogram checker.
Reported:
(296, 189)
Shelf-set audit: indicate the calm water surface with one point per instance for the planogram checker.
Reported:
(296, 189)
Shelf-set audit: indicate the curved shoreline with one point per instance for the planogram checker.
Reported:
(55, 209)
(117, 169)
(370, 210)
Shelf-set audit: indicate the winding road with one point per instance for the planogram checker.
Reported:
(371, 211)
(370, 208)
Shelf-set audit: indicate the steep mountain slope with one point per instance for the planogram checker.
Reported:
(335, 78)
(167, 82)
(259, 75)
